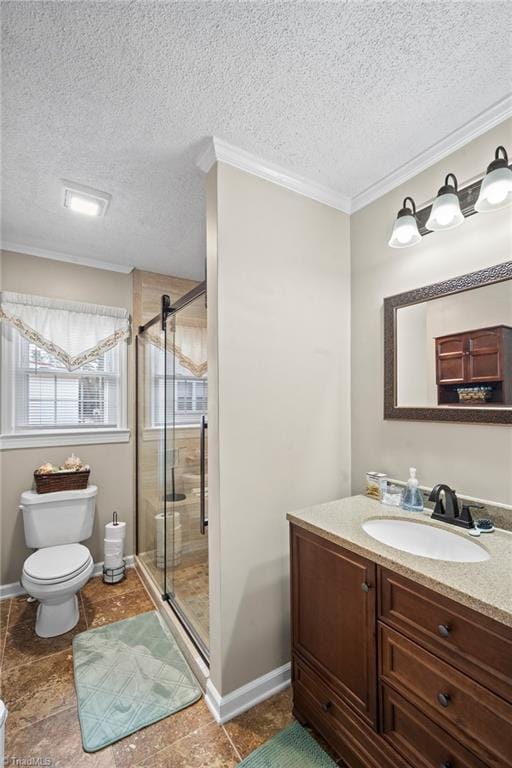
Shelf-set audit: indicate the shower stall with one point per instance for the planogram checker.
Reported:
(172, 459)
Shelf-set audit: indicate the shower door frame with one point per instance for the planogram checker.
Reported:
(167, 311)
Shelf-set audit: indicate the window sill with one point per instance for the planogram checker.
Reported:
(48, 438)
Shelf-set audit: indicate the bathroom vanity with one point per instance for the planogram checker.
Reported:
(400, 660)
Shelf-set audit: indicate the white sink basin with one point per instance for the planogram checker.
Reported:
(425, 540)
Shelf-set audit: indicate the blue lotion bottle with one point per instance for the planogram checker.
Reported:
(413, 497)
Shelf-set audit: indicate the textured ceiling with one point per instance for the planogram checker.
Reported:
(122, 95)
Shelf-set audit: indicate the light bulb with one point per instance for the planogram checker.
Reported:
(497, 193)
(83, 205)
(445, 212)
(405, 229)
(496, 187)
(405, 234)
(445, 215)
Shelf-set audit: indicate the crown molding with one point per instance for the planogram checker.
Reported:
(219, 150)
(57, 256)
(489, 118)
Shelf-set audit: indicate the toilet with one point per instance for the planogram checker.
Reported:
(55, 524)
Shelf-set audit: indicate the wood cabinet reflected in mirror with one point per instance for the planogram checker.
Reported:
(448, 350)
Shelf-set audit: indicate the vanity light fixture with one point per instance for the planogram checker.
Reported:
(445, 212)
(405, 229)
(496, 189)
(85, 200)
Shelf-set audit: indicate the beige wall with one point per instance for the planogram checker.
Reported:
(474, 459)
(279, 421)
(112, 464)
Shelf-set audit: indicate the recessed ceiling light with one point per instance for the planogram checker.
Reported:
(86, 200)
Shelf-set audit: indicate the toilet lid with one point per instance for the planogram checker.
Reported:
(54, 564)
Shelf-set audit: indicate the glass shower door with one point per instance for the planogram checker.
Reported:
(152, 532)
(186, 468)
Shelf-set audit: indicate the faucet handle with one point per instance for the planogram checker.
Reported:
(465, 513)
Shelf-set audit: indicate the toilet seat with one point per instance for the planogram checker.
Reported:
(54, 565)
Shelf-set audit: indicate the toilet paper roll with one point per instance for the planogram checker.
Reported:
(174, 539)
(115, 531)
(112, 547)
(112, 561)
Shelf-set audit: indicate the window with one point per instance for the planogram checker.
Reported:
(41, 398)
(190, 393)
(48, 396)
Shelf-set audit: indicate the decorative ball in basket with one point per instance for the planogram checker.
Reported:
(70, 476)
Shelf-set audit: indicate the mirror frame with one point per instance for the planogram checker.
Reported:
(392, 304)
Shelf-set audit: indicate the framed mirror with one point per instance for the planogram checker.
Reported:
(448, 350)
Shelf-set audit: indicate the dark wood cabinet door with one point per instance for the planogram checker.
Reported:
(484, 355)
(451, 359)
(334, 617)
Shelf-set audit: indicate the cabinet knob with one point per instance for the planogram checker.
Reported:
(444, 699)
(365, 586)
(327, 706)
(446, 764)
(444, 630)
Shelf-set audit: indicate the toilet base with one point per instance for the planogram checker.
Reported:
(57, 618)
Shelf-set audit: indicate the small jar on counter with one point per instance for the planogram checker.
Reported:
(376, 484)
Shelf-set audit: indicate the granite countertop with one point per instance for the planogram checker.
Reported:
(484, 586)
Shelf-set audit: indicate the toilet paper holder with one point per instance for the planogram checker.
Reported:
(114, 575)
(117, 573)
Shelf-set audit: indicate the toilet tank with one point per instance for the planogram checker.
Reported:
(65, 517)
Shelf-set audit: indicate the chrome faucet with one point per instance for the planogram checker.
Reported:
(448, 510)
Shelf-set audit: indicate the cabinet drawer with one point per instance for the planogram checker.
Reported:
(418, 739)
(345, 732)
(473, 715)
(480, 647)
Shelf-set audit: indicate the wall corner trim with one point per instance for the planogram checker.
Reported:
(58, 256)
(225, 708)
(218, 150)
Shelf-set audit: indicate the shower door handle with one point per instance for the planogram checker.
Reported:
(203, 521)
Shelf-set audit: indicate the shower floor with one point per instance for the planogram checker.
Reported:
(189, 583)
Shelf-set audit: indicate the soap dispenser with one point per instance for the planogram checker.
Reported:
(413, 497)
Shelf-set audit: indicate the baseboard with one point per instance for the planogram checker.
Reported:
(15, 589)
(11, 590)
(225, 708)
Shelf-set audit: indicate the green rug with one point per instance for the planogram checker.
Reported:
(128, 675)
(291, 748)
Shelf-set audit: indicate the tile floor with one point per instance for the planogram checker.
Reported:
(38, 689)
(189, 583)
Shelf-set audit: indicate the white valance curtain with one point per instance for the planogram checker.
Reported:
(74, 332)
(190, 348)
(189, 344)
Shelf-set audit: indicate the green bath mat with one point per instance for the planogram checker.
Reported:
(291, 748)
(127, 675)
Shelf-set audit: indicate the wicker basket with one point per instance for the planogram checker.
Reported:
(61, 481)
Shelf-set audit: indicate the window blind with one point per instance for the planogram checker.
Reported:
(48, 396)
